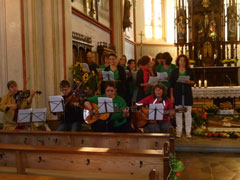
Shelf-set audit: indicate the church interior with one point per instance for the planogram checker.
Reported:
(120, 89)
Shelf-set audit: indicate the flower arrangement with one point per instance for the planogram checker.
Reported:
(225, 61)
(210, 108)
(233, 61)
(192, 61)
(89, 81)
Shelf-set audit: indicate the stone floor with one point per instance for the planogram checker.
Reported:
(208, 158)
(210, 166)
(207, 144)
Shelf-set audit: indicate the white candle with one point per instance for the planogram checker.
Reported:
(205, 83)
(199, 83)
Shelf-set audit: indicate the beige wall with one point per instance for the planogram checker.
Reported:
(154, 46)
(88, 29)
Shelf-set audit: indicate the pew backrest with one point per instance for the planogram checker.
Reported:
(88, 139)
(130, 163)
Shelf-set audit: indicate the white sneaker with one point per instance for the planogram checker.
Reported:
(188, 135)
(178, 134)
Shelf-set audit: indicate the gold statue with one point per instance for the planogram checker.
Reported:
(205, 3)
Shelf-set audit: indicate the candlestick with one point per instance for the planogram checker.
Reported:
(227, 52)
(199, 83)
(205, 83)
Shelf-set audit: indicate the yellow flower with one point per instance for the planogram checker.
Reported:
(87, 89)
(233, 61)
(85, 77)
(93, 73)
(192, 61)
(225, 61)
(84, 69)
(77, 63)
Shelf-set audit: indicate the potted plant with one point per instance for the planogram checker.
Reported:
(210, 109)
(225, 62)
(233, 62)
(192, 63)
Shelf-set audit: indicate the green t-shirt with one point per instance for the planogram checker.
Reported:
(119, 104)
(102, 66)
(160, 68)
(115, 74)
(182, 74)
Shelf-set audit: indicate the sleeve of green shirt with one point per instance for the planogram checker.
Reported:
(93, 99)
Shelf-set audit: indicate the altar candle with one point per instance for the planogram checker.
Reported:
(199, 83)
(205, 83)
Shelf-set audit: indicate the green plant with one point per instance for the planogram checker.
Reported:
(176, 167)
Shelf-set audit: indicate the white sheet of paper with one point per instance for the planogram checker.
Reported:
(56, 104)
(153, 80)
(163, 76)
(102, 107)
(108, 76)
(85, 65)
(24, 115)
(158, 109)
(39, 115)
(183, 79)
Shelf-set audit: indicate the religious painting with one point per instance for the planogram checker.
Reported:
(96, 9)
(207, 53)
(181, 26)
(212, 33)
(199, 28)
(232, 23)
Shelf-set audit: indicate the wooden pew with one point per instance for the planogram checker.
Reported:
(124, 164)
(89, 139)
(20, 177)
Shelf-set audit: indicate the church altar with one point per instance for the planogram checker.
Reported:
(218, 75)
(216, 92)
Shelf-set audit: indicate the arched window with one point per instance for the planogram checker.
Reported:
(153, 19)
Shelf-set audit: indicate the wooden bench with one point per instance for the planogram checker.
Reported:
(124, 164)
(89, 139)
(20, 177)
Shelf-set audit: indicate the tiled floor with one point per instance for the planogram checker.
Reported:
(210, 166)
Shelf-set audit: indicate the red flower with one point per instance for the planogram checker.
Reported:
(204, 116)
(178, 174)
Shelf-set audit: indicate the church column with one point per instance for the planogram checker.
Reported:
(118, 26)
(68, 36)
(34, 49)
(3, 49)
